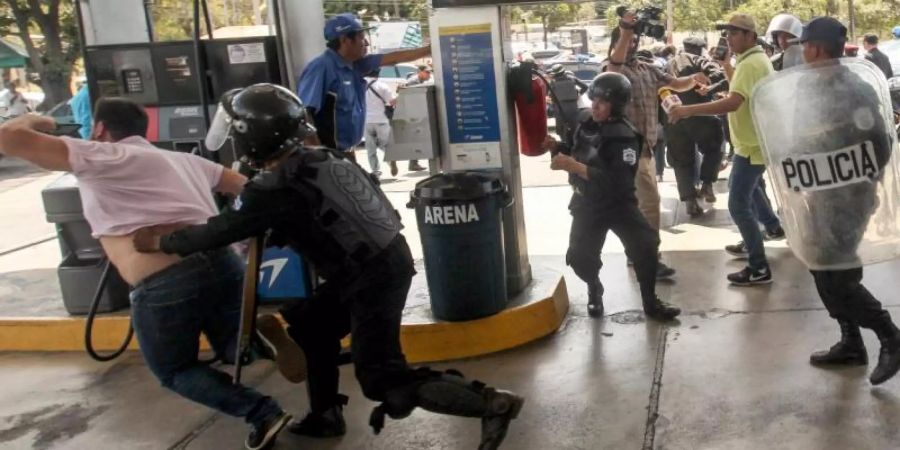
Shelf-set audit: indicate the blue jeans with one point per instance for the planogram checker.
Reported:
(746, 207)
(762, 207)
(169, 310)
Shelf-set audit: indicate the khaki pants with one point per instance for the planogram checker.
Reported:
(647, 190)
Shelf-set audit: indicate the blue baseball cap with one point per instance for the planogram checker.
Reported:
(822, 29)
(342, 24)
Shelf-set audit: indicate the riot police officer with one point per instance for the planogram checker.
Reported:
(703, 134)
(328, 209)
(602, 164)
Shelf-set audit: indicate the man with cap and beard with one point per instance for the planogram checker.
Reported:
(685, 138)
(841, 214)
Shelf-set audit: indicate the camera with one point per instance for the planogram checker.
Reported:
(649, 21)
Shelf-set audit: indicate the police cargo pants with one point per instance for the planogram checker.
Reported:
(588, 235)
(372, 312)
(848, 300)
(684, 139)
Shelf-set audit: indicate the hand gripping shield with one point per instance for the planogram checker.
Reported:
(826, 131)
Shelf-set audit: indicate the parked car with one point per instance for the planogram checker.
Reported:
(584, 70)
(892, 50)
(397, 75)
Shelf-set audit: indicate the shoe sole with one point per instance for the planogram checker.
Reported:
(837, 364)
(272, 433)
(750, 283)
(289, 357)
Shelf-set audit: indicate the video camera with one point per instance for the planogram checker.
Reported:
(649, 21)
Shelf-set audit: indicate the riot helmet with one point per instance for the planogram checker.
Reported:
(264, 120)
(613, 88)
(896, 32)
(784, 23)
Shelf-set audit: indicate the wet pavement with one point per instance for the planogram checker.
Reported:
(731, 373)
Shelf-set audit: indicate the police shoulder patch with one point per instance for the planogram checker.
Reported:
(237, 203)
(629, 155)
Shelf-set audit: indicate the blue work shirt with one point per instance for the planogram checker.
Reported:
(330, 74)
(81, 111)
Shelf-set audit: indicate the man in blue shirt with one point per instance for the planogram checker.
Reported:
(332, 86)
(81, 111)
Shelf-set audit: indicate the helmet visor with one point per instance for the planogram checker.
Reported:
(219, 130)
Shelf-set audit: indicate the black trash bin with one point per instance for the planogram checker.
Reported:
(460, 223)
(83, 257)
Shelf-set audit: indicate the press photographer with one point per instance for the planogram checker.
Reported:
(642, 110)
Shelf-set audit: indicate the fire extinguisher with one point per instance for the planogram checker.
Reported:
(530, 99)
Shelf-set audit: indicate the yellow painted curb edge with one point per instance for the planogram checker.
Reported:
(439, 341)
(511, 328)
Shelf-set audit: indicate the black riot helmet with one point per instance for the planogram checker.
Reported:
(264, 120)
(613, 88)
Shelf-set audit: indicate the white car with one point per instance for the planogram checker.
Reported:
(397, 75)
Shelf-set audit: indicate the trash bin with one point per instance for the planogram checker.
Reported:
(83, 257)
(460, 223)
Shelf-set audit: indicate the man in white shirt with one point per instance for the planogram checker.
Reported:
(379, 98)
(126, 184)
(16, 103)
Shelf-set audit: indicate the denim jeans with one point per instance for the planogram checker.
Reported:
(762, 207)
(744, 188)
(169, 310)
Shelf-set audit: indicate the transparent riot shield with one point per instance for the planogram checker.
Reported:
(827, 132)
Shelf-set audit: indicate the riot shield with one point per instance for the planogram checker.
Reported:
(826, 131)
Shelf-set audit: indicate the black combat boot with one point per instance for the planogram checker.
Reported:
(326, 424)
(449, 393)
(889, 357)
(849, 351)
(693, 208)
(660, 310)
(595, 299)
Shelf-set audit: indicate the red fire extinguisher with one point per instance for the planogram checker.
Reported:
(531, 113)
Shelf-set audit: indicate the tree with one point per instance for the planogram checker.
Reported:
(552, 16)
(51, 56)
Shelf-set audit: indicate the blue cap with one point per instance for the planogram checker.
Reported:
(823, 29)
(342, 24)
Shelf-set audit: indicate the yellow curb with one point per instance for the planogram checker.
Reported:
(440, 341)
(511, 328)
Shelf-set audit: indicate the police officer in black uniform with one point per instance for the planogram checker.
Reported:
(703, 134)
(602, 164)
(328, 209)
(841, 215)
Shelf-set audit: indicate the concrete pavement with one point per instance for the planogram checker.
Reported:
(732, 373)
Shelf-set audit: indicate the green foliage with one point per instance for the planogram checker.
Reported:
(47, 30)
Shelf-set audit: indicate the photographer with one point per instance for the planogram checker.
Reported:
(602, 166)
(646, 80)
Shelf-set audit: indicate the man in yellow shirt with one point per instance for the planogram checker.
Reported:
(752, 66)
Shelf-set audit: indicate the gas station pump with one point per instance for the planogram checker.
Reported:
(472, 54)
